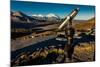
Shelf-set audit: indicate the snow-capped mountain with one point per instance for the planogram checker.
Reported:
(48, 17)
(52, 17)
(39, 17)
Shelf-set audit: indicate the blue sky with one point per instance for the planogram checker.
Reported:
(86, 12)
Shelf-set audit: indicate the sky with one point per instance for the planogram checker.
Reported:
(30, 8)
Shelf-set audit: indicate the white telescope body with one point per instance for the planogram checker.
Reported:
(64, 23)
(68, 19)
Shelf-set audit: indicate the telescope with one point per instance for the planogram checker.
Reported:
(68, 19)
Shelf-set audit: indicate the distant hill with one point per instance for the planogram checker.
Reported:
(21, 17)
(88, 24)
(92, 20)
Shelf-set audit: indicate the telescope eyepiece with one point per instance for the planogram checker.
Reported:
(77, 9)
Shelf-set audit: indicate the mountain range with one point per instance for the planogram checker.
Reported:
(22, 17)
(48, 17)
